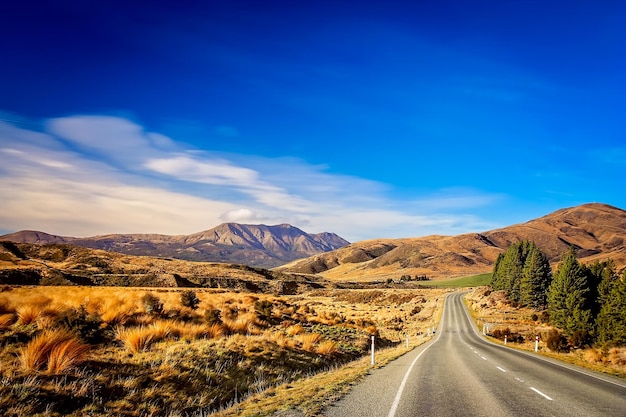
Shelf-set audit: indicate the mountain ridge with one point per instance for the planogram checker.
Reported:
(255, 245)
(596, 230)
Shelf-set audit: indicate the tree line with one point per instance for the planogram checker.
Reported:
(587, 302)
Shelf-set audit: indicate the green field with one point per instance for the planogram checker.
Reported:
(462, 282)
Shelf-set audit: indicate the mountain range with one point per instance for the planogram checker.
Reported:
(254, 245)
(597, 231)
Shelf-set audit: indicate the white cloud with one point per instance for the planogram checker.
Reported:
(209, 171)
(99, 174)
(241, 215)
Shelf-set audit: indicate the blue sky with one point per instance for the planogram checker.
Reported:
(386, 119)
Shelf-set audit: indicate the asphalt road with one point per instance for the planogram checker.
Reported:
(459, 373)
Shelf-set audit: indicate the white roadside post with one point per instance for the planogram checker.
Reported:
(372, 350)
(505, 338)
(536, 343)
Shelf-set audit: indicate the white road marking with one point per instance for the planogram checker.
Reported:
(483, 358)
(396, 400)
(519, 379)
(502, 369)
(542, 394)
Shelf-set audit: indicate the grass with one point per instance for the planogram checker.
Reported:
(99, 351)
(463, 282)
(55, 351)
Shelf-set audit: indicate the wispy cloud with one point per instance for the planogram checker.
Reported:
(86, 175)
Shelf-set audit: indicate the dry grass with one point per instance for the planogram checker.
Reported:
(6, 320)
(295, 330)
(137, 339)
(182, 361)
(309, 340)
(327, 347)
(56, 351)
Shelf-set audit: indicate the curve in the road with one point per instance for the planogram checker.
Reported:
(461, 373)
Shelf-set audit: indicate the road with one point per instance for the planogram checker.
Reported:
(460, 373)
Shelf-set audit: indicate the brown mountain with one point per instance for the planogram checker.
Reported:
(255, 245)
(597, 231)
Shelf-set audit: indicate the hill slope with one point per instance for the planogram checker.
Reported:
(63, 264)
(596, 230)
(255, 245)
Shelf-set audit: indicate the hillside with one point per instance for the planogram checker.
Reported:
(254, 245)
(596, 230)
(62, 264)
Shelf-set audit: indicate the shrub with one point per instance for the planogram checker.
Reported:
(152, 304)
(579, 338)
(213, 316)
(416, 310)
(189, 299)
(263, 309)
(87, 326)
(557, 342)
(56, 350)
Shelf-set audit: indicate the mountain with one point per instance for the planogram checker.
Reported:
(255, 245)
(597, 231)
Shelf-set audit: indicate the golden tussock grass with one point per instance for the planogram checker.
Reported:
(193, 331)
(6, 320)
(309, 340)
(243, 324)
(295, 330)
(189, 360)
(28, 314)
(55, 350)
(327, 347)
(135, 339)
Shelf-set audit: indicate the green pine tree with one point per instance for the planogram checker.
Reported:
(513, 264)
(567, 298)
(496, 277)
(535, 279)
(611, 321)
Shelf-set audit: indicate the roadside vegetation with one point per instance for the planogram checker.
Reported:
(76, 351)
(578, 311)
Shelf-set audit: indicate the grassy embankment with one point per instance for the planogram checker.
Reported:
(463, 282)
(521, 325)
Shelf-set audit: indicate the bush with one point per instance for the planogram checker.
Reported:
(579, 338)
(557, 342)
(512, 337)
(189, 299)
(263, 309)
(152, 304)
(213, 316)
(87, 326)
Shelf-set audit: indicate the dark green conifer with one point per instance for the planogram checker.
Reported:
(567, 298)
(535, 280)
(612, 317)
